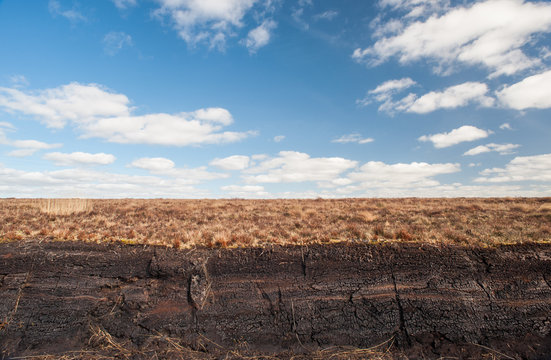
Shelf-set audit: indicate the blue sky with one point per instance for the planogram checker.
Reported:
(275, 98)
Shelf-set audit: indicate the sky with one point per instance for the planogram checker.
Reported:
(275, 98)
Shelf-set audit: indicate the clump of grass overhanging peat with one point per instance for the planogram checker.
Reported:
(250, 223)
(64, 206)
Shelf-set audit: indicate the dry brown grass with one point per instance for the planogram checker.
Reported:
(64, 206)
(245, 223)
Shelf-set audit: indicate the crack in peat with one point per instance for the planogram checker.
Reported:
(403, 328)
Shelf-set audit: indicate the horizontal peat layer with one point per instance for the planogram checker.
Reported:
(341, 301)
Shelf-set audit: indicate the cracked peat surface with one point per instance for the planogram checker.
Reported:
(78, 300)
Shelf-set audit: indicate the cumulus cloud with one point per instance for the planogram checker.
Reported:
(114, 41)
(377, 174)
(85, 182)
(490, 33)
(456, 136)
(533, 92)
(502, 149)
(260, 36)
(390, 86)
(235, 162)
(206, 21)
(124, 4)
(29, 147)
(445, 190)
(450, 98)
(79, 158)
(521, 168)
(279, 138)
(155, 165)
(163, 129)
(505, 126)
(293, 166)
(24, 147)
(99, 112)
(243, 188)
(73, 102)
(385, 91)
(352, 138)
(245, 191)
(166, 167)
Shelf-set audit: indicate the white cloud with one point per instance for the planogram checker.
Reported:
(502, 149)
(114, 41)
(89, 183)
(352, 138)
(98, 112)
(79, 158)
(21, 152)
(297, 16)
(213, 115)
(452, 97)
(416, 8)
(376, 174)
(391, 86)
(235, 162)
(446, 190)
(166, 167)
(335, 183)
(384, 92)
(292, 166)
(19, 81)
(25, 147)
(29, 147)
(298, 12)
(72, 15)
(259, 157)
(163, 129)
(124, 4)
(491, 33)
(260, 36)
(456, 136)
(505, 126)
(279, 138)
(72, 102)
(243, 188)
(326, 15)
(154, 165)
(521, 168)
(32, 144)
(6, 125)
(211, 21)
(245, 191)
(532, 92)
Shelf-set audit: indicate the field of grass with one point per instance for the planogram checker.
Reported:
(245, 223)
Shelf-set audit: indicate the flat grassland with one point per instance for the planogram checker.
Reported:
(248, 223)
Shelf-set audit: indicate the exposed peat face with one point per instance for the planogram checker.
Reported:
(90, 300)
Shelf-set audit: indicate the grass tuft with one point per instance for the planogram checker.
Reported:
(64, 206)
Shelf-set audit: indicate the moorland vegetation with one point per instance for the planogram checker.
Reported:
(247, 223)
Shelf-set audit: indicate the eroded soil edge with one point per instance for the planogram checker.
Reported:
(60, 297)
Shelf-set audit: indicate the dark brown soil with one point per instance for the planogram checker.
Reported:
(83, 300)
